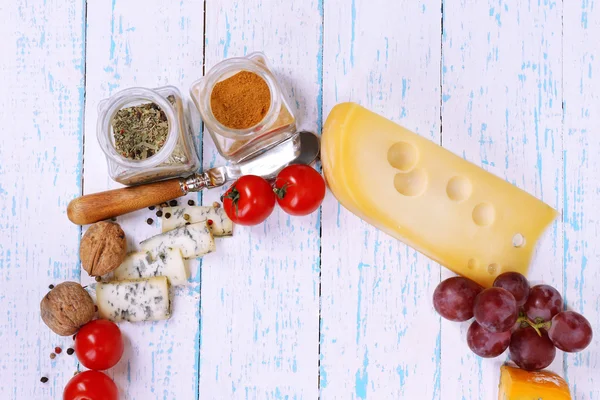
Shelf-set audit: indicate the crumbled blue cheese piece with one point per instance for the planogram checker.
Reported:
(146, 264)
(193, 240)
(134, 300)
(221, 224)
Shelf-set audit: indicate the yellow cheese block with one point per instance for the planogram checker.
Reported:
(518, 384)
(451, 210)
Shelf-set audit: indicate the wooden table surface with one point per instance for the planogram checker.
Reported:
(323, 306)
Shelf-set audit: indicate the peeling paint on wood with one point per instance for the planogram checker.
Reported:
(323, 306)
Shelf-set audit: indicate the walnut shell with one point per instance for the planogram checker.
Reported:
(103, 248)
(66, 308)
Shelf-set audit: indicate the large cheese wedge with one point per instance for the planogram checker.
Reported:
(518, 384)
(451, 210)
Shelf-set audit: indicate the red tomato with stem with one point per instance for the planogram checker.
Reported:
(300, 189)
(249, 201)
(99, 344)
(91, 385)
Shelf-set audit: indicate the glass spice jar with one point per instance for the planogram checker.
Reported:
(278, 123)
(175, 156)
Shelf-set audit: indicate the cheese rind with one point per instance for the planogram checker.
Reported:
(449, 209)
(147, 264)
(220, 224)
(134, 300)
(193, 240)
(518, 384)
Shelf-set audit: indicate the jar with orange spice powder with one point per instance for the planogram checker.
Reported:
(243, 107)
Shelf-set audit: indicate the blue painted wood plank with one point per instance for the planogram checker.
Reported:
(260, 295)
(380, 337)
(41, 114)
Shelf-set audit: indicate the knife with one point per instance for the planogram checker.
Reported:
(302, 148)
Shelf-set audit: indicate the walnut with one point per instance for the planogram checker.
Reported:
(66, 308)
(103, 248)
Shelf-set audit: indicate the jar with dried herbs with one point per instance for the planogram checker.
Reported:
(243, 107)
(146, 136)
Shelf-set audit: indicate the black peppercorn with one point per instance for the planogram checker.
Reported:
(50, 287)
(70, 351)
(173, 203)
(149, 221)
(168, 215)
(191, 202)
(159, 213)
(151, 208)
(44, 379)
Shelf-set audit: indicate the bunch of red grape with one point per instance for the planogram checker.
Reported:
(510, 314)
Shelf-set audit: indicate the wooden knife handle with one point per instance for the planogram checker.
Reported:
(104, 205)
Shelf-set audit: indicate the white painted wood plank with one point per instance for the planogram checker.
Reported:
(501, 109)
(260, 294)
(41, 108)
(148, 44)
(582, 186)
(380, 336)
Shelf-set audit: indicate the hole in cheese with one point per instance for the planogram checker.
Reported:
(403, 156)
(459, 188)
(518, 240)
(484, 214)
(493, 269)
(412, 183)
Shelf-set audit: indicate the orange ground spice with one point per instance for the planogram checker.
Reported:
(240, 101)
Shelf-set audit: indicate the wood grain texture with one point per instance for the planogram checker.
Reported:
(501, 109)
(148, 44)
(380, 336)
(112, 203)
(260, 292)
(41, 110)
(581, 189)
(323, 306)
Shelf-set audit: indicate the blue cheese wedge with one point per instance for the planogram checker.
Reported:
(134, 300)
(194, 240)
(220, 224)
(147, 264)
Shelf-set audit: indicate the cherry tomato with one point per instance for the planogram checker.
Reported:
(99, 344)
(249, 201)
(300, 189)
(91, 385)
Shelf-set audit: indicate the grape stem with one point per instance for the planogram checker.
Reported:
(545, 325)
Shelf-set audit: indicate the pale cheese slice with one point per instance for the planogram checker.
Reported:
(453, 211)
(147, 264)
(218, 221)
(134, 300)
(193, 240)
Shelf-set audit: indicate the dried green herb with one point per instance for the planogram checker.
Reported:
(140, 131)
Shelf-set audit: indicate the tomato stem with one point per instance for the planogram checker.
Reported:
(280, 192)
(234, 195)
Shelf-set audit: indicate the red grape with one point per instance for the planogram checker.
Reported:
(570, 331)
(453, 298)
(531, 351)
(485, 343)
(496, 310)
(516, 284)
(543, 303)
